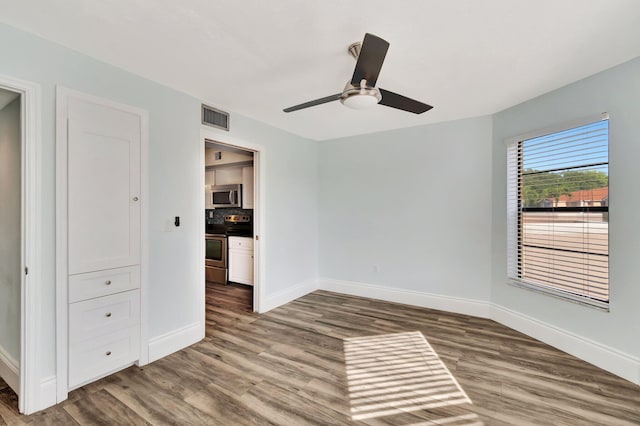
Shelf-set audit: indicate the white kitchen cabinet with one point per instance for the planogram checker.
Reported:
(104, 224)
(228, 176)
(247, 187)
(241, 260)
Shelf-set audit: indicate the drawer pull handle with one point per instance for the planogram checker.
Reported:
(108, 314)
(108, 353)
(108, 282)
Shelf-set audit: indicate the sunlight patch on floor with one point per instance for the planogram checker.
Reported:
(399, 373)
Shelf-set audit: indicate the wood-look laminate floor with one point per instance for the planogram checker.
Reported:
(326, 359)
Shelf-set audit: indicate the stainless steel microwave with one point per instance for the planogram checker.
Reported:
(224, 196)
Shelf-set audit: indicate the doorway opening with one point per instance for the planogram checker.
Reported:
(11, 243)
(19, 246)
(231, 226)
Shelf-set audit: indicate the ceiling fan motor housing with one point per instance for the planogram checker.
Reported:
(360, 97)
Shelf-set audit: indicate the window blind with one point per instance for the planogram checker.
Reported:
(558, 212)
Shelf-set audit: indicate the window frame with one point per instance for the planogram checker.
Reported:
(512, 222)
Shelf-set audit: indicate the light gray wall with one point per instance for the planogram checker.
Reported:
(175, 183)
(290, 201)
(10, 219)
(416, 202)
(616, 91)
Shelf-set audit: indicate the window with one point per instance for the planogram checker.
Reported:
(558, 218)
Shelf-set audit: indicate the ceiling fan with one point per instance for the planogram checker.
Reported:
(361, 92)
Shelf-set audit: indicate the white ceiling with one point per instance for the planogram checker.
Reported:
(256, 57)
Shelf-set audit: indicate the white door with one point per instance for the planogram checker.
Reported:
(103, 187)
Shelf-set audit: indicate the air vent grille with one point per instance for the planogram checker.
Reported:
(215, 118)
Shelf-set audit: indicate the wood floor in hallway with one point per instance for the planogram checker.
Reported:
(331, 359)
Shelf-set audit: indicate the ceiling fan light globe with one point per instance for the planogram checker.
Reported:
(359, 101)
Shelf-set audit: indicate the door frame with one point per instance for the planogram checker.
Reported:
(31, 198)
(259, 179)
(63, 94)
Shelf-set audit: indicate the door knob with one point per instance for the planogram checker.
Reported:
(135, 198)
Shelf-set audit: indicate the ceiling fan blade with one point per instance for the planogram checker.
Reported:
(370, 60)
(394, 100)
(314, 103)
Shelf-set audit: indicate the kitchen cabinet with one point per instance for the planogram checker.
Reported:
(220, 157)
(228, 176)
(241, 260)
(103, 222)
(247, 187)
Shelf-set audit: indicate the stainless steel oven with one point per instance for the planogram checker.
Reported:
(216, 258)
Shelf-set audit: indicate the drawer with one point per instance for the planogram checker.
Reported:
(102, 283)
(103, 315)
(241, 243)
(99, 356)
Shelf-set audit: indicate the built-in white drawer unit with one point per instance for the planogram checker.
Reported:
(102, 283)
(99, 356)
(94, 317)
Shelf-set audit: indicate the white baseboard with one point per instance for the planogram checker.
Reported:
(173, 341)
(426, 300)
(48, 396)
(10, 370)
(286, 296)
(610, 359)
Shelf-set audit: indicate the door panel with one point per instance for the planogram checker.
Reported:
(103, 190)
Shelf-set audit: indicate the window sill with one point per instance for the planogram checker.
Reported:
(581, 300)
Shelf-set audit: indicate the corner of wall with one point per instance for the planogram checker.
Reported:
(288, 295)
(458, 305)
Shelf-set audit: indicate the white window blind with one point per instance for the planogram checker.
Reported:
(558, 212)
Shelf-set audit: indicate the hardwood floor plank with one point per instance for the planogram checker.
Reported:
(226, 409)
(281, 406)
(102, 408)
(288, 367)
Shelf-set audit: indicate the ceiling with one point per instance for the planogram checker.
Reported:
(465, 57)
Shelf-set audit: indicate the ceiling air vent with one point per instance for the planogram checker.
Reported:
(215, 118)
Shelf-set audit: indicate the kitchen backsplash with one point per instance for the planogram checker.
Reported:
(219, 214)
